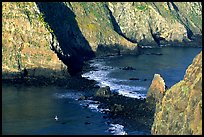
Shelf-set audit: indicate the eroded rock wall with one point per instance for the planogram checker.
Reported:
(25, 40)
(76, 31)
(157, 23)
(180, 110)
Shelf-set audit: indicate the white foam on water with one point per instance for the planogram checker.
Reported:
(93, 105)
(98, 75)
(117, 129)
(101, 76)
(131, 94)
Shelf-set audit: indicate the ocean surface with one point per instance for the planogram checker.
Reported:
(170, 62)
(31, 110)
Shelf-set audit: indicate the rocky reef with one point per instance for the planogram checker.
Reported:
(79, 31)
(179, 111)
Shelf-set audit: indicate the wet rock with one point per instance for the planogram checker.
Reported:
(25, 72)
(134, 79)
(154, 54)
(116, 108)
(105, 116)
(87, 123)
(86, 106)
(82, 98)
(96, 86)
(128, 68)
(108, 123)
(103, 92)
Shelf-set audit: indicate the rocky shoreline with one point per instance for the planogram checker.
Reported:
(120, 107)
(41, 81)
(139, 111)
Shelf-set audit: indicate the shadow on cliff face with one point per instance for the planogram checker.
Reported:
(74, 47)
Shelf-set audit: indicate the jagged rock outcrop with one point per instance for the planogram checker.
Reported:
(156, 91)
(77, 31)
(180, 110)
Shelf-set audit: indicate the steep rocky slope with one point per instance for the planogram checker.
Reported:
(157, 22)
(179, 112)
(80, 30)
(25, 39)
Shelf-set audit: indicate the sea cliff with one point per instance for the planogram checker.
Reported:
(35, 36)
(179, 110)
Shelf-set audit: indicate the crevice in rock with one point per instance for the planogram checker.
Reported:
(155, 36)
(116, 26)
(157, 8)
(174, 6)
(179, 18)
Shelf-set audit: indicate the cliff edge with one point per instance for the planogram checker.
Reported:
(33, 33)
(180, 110)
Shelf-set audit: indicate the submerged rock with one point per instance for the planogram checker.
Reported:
(82, 98)
(134, 79)
(180, 110)
(154, 54)
(128, 68)
(87, 123)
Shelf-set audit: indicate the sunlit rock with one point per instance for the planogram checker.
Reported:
(156, 91)
(180, 110)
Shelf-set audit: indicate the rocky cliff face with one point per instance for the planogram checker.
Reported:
(81, 30)
(157, 22)
(25, 40)
(180, 110)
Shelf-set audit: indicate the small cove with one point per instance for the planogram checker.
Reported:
(170, 62)
(31, 110)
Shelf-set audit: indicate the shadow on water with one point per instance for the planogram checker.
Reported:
(39, 77)
(74, 46)
(115, 49)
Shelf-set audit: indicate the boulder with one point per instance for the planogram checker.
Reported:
(103, 92)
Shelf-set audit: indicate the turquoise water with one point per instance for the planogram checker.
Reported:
(31, 110)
